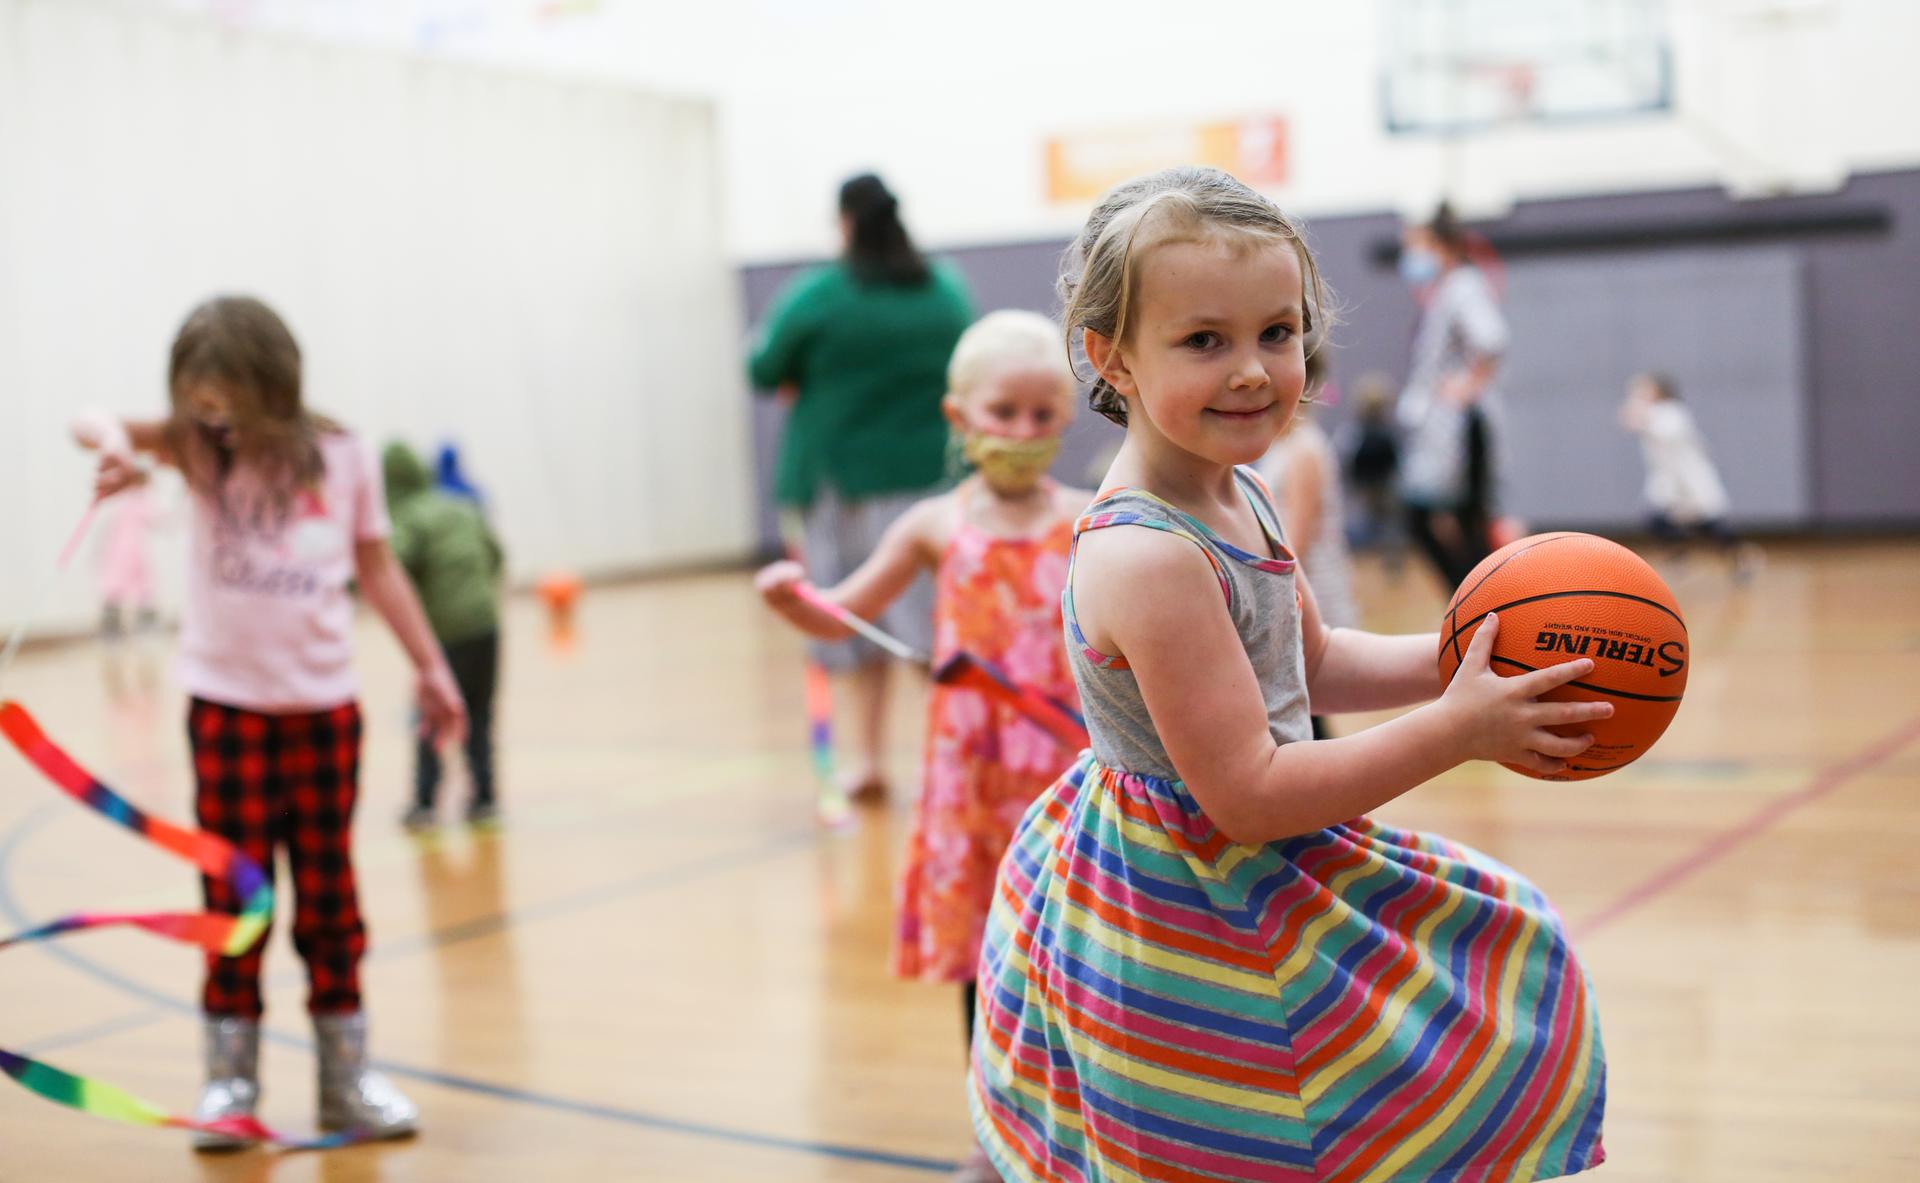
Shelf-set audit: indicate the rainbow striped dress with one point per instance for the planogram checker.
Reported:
(1358, 1005)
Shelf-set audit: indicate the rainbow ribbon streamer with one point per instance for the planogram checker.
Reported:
(228, 935)
(965, 670)
(1056, 718)
(831, 803)
(812, 597)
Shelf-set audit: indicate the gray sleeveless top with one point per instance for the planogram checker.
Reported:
(1259, 591)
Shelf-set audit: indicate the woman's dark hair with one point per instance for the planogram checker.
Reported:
(1449, 232)
(1663, 385)
(878, 248)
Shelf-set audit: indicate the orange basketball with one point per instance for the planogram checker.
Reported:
(1566, 596)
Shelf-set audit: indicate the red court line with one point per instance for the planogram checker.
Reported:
(1826, 781)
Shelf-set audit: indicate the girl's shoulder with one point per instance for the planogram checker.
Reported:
(1140, 586)
(1166, 536)
(344, 452)
(338, 439)
(937, 506)
(928, 523)
(975, 507)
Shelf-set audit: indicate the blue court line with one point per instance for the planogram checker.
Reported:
(127, 1022)
(466, 930)
(161, 1004)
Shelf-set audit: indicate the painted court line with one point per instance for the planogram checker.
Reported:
(161, 1004)
(132, 1021)
(387, 950)
(1659, 884)
(1721, 845)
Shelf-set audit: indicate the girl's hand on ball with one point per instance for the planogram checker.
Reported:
(1502, 719)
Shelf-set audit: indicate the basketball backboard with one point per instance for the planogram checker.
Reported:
(1453, 66)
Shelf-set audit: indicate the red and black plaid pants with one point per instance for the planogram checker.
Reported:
(273, 781)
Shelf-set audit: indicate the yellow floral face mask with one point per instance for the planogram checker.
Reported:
(1011, 466)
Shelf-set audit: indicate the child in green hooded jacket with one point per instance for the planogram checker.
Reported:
(456, 564)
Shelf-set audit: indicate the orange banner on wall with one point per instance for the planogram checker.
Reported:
(1083, 165)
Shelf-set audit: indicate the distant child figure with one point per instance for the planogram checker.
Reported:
(286, 511)
(1683, 486)
(126, 562)
(1304, 477)
(998, 547)
(456, 564)
(1203, 959)
(449, 476)
(1372, 450)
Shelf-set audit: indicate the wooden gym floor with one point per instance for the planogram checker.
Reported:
(660, 969)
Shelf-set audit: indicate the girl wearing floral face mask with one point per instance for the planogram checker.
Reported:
(998, 546)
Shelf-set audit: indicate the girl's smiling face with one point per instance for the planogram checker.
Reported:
(1211, 363)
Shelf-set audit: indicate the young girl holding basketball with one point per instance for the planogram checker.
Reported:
(286, 509)
(997, 545)
(1203, 959)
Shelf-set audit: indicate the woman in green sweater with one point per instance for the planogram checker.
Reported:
(859, 349)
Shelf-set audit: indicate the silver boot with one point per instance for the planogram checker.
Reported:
(354, 1096)
(233, 1079)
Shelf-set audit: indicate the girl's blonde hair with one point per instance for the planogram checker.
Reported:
(1009, 337)
(1100, 273)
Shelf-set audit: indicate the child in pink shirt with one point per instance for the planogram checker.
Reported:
(287, 509)
(126, 574)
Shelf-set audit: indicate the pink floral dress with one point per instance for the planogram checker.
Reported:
(998, 599)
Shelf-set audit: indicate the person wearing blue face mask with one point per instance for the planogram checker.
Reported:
(1419, 266)
(1449, 409)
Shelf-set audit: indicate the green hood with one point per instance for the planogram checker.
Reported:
(406, 473)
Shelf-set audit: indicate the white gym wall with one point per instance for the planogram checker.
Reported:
(529, 266)
(952, 103)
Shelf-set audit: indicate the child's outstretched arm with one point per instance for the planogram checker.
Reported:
(117, 440)
(1160, 606)
(443, 714)
(910, 545)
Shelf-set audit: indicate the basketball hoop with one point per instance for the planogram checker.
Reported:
(1454, 67)
(1507, 88)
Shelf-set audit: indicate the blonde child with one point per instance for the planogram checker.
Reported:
(126, 566)
(1203, 959)
(997, 545)
(286, 508)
